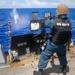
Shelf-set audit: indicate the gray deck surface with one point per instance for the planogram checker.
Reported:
(53, 68)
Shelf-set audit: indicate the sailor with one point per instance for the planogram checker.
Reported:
(61, 35)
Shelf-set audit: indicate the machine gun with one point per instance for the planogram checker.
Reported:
(38, 24)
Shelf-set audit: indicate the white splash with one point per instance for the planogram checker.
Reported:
(15, 15)
(20, 21)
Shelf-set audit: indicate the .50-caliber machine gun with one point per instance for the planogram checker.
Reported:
(38, 24)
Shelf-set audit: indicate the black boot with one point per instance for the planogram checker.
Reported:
(64, 69)
(40, 71)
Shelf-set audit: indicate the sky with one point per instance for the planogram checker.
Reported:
(35, 3)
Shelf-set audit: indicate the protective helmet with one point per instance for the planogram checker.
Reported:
(62, 9)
